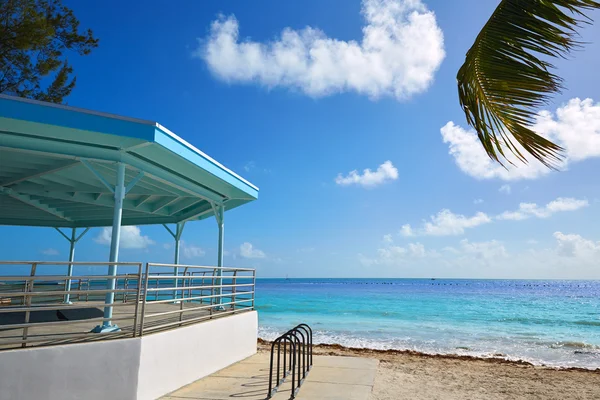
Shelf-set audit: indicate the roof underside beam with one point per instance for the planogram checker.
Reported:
(34, 203)
(95, 153)
(49, 170)
(104, 201)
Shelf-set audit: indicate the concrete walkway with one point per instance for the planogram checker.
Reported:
(331, 378)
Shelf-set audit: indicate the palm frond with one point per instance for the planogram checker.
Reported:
(503, 82)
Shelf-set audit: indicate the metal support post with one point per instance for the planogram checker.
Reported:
(114, 246)
(72, 240)
(177, 236)
(219, 215)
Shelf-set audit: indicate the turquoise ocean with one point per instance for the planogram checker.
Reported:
(553, 323)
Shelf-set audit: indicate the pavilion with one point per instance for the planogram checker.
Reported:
(69, 169)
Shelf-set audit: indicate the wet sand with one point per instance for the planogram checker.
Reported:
(416, 376)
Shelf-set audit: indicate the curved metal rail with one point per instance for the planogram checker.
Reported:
(300, 359)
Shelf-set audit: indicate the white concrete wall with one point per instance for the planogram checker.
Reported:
(128, 369)
(172, 359)
(101, 370)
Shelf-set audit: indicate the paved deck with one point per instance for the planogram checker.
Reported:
(331, 378)
(79, 326)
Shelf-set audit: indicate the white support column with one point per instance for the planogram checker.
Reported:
(177, 236)
(72, 240)
(219, 215)
(114, 248)
(70, 269)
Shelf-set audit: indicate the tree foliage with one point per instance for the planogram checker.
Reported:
(34, 37)
(506, 76)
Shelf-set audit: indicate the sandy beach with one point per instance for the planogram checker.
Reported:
(416, 376)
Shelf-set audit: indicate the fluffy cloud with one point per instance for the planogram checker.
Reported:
(415, 252)
(490, 250)
(528, 210)
(131, 238)
(571, 256)
(575, 126)
(50, 252)
(446, 223)
(472, 159)
(401, 49)
(406, 231)
(247, 250)
(385, 172)
(572, 245)
(477, 201)
(393, 255)
(506, 189)
(192, 251)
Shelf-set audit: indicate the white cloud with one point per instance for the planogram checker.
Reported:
(192, 251)
(528, 210)
(416, 249)
(385, 172)
(401, 49)
(478, 201)
(472, 159)
(247, 250)
(250, 165)
(571, 257)
(575, 126)
(131, 238)
(490, 250)
(393, 255)
(406, 231)
(572, 245)
(50, 252)
(388, 238)
(506, 189)
(446, 223)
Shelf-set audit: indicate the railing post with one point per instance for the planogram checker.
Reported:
(145, 295)
(28, 289)
(233, 290)
(137, 300)
(253, 286)
(156, 286)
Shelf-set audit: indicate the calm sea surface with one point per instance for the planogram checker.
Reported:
(554, 323)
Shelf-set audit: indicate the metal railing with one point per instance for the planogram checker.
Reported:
(148, 298)
(300, 359)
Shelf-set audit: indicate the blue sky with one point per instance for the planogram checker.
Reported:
(298, 125)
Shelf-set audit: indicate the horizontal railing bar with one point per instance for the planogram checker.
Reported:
(199, 267)
(187, 321)
(149, 302)
(74, 306)
(58, 292)
(69, 322)
(189, 309)
(66, 336)
(94, 263)
(64, 277)
(196, 287)
(199, 277)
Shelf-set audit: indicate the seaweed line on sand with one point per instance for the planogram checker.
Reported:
(337, 350)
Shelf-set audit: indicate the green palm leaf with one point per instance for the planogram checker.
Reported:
(503, 82)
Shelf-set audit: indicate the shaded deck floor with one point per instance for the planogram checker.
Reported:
(77, 325)
(331, 378)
